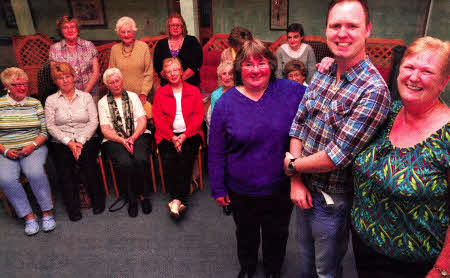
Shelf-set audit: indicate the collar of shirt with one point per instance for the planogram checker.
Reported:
(64, 43)
(76, 94)
(14, 102)
(352, 72)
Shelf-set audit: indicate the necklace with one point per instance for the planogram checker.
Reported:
(176, 44)
(127, 50)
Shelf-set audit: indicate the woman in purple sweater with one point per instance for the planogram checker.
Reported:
(249, 136)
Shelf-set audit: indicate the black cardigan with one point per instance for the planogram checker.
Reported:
(190, 55)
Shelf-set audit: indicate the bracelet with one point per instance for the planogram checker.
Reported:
(443, 272)
(34, 143)
(6, 151)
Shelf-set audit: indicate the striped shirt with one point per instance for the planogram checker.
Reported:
(340, 119)
(20, 122)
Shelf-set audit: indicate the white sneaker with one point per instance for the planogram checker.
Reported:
(31, 227)
(48, 223)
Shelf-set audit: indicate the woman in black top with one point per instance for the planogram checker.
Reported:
(182, 46)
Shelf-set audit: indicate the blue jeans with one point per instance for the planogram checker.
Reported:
(32, 167)
(323, 234)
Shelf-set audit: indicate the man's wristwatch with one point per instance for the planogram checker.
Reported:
(291, 165)
(443, 272)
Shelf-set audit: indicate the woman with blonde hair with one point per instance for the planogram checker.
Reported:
(225, 82)
(401, 213)
(72, 120)
(22, 146)
(178, 113)
(132, 57)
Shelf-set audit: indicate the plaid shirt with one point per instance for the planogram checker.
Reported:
(80, 60)
(340, 119)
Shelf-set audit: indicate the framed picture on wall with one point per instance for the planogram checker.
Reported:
(8, 14)
(88, 12)
(279, 12)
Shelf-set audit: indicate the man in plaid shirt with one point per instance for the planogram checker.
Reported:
(338, 115)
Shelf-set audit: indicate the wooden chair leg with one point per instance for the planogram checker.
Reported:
(152, 168)
(200, 169)
(102, 170)
(5, 203)
(113, 174)
(163, 185)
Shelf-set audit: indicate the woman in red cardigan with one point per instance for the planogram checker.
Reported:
(178, 115)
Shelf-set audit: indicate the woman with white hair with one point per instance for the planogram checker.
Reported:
(133, 59)
(127, 142)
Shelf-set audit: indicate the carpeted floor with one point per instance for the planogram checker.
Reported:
(115, 245)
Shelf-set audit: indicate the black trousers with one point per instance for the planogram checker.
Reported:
(371, 264)
(73, 172)
(268, 215)
(132, 170)
(178, 166)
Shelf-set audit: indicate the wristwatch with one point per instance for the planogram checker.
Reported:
(443, 272)
(291, 165)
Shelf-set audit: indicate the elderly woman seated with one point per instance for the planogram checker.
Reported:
(22, 137)
(127, 142)
(72, 120)
(296, 71)
(178, 114)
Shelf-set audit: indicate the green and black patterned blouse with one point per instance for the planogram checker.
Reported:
(401, 201)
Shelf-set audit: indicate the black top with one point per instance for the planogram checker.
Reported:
(190, 55)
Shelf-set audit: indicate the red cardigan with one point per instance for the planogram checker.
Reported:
(164, 109)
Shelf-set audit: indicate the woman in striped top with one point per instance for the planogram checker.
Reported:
(22, 136)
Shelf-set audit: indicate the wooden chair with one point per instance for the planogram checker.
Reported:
(6, 203)
(200, 168)
(100, 160)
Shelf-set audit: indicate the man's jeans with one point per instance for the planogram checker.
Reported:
(323, 234)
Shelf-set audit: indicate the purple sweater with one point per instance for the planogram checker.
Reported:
(248, 140)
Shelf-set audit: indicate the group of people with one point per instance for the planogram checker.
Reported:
(78, 123)
(355, 161)
(332, 144)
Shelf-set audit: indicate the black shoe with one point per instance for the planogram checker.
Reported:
(132, 209)
(243, 273)
(272, 274)
(75, 216)
(98, 208)
(146, 206)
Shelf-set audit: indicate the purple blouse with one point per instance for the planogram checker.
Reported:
(248, 140)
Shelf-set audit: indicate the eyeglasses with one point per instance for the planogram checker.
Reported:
(174, 71)
(294, 75)
(250, 66)
(15, 85)
(69, 26)
(175, 25)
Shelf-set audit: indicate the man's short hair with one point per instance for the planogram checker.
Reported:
(363, 3)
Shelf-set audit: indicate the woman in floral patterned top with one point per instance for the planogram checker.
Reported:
(401, 213)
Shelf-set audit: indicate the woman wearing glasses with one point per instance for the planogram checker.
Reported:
(248, 138)
(182, 46)
(79, 53)
(22, 145)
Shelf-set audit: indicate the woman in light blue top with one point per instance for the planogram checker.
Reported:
(225, 82)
